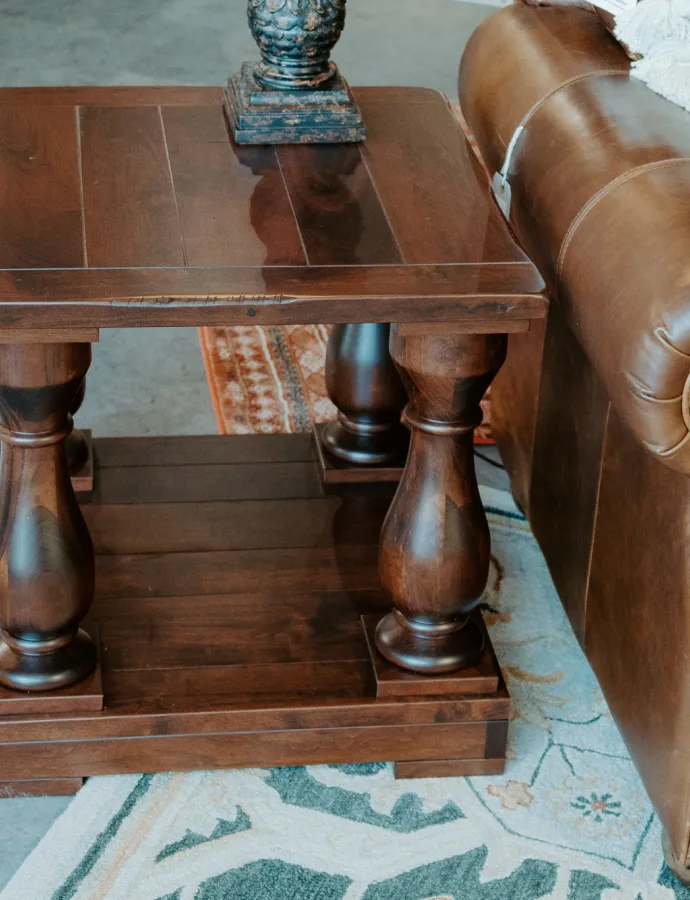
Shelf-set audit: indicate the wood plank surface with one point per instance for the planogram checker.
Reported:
(326, 568)
(127, 716)
(338, 211)
(219, 185)
(240, 525)
(299, 627)
(130, 211)
(40, 193)
(204, 450)
(187, 483)
(432, 186)
(449, 768)
(163, 753)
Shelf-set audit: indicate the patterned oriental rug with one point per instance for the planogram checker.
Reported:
(271, 379)
(568, 820)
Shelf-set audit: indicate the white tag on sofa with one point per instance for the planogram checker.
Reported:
(502, 193)
(500, 184)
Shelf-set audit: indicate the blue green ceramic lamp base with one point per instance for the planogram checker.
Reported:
(295, 95)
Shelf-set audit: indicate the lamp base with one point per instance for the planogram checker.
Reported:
(256, 115)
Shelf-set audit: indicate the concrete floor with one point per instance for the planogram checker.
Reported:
(151, 381)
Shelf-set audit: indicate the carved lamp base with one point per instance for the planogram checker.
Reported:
(258, 115)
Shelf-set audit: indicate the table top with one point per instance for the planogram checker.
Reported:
(132, 206)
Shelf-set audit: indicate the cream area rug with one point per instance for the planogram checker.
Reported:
(569, 819)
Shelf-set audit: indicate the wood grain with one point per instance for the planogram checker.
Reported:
(179, 484)
(449, 768)
(130, 212)
(476, 326)
(203, 450)
(236, 571)
(218, 185)
(183, 228)
(40, 213)
(242, 525)
(269, 295)
(49, 336)
(235, 750)
(209, 655)
(431, 184)
(338, 211)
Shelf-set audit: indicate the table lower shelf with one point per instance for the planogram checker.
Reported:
(230, 586)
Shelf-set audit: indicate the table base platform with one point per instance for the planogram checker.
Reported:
(230, 591)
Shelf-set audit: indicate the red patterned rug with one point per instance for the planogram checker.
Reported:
(271, 379)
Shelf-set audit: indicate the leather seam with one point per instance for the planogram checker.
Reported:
(685, 403)
(599, 73)
(590, 559)
(672, 451)
(604, 192)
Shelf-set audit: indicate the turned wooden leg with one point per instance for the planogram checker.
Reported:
(46, 555)
(434, 557)
(76, 446)
(364, 385)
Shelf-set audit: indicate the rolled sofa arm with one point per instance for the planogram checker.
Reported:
(600, 183)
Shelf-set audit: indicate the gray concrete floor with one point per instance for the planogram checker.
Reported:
(151, 381)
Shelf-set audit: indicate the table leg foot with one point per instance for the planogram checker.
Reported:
(433, 647)
(435, 545)
(35, 665)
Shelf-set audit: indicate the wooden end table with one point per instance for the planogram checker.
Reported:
(215, 606)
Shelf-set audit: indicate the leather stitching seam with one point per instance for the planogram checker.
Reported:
(599, 73)
(604, 192)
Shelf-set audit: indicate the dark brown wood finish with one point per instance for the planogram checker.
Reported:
(270, 295)
(389, 680)
(449, 768)
(218, 185)
(434, 559)
(130, 209)
(41, 210)
(342, 221)
(180, 227)
(337, 471)
(42, 787)
(46, 555)
(79, 449)
(157, 218)
(274, 660)
(365, 387)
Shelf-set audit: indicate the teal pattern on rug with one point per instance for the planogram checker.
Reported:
(569, 819)
(297, 787)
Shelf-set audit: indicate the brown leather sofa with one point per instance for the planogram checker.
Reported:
(592, 411)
